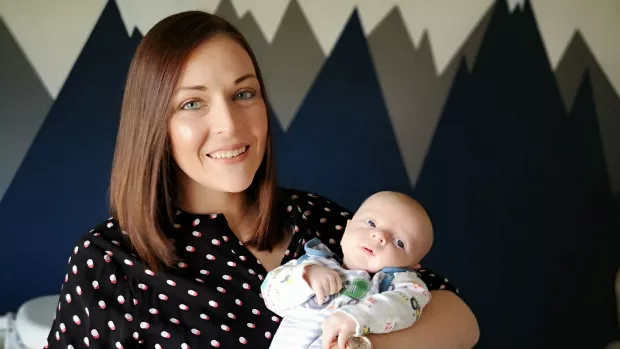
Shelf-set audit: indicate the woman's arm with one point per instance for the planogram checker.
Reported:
(446, 323)
(96, 306)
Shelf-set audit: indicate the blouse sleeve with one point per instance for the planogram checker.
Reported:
(97, 308)
(327, 221)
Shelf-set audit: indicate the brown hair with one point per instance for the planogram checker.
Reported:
(142, 192)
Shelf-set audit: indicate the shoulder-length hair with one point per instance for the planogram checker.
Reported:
(142, 192)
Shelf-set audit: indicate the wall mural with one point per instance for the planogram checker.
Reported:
(518, 163)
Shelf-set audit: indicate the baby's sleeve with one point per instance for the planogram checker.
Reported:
(284, 288)
(397, 308)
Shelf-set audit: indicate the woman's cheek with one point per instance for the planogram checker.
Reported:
(186, 132)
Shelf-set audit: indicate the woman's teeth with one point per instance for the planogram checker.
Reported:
(227, 154)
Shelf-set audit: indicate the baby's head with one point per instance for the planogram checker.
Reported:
(388, 230)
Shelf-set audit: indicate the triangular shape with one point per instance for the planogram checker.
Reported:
(498, 184)
(447, 188)
(252, 33)
(412, 91)
(227, 11)
(268, 17)
(249, 28)
(577, 59)
(341, 143)
(24, 103)
(587, 206)
(287, 84)
(72, 154)
(472, 44)
(414, 94)
(51, 34)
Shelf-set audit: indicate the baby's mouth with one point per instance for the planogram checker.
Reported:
(368, 250)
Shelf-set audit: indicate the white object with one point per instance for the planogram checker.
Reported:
(32, 323)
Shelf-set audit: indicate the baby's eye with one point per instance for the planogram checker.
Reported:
(244, 95)
(371, 223)
(400, 243)
(191, 105)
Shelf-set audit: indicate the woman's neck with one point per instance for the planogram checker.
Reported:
(195, 198)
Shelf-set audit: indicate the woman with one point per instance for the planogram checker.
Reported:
(197, 220)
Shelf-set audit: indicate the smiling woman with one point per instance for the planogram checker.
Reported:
(197, 220)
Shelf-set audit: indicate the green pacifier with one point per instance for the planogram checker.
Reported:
(356, 289)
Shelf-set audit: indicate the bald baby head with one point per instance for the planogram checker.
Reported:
(390, 229)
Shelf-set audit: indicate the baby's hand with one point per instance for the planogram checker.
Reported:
(323, 281)
(338, 326)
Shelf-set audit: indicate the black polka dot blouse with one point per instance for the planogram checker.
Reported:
(210, 299)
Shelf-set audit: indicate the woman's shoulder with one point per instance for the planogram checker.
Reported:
(315, 214)
(102, 247)
(311, 202)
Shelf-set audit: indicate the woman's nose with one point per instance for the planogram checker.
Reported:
(223, 117)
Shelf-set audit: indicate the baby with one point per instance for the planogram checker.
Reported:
(373, 289)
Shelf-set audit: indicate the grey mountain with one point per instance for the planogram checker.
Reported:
(578, 59)
(289, 64)
(292, 63)
(413, 92)
(248, 26)
(24, 104)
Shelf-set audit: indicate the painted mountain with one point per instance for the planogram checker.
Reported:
(519, 196)
(23, 105)
(60, 190)
(341, 142)
(413, 90)
(578, 59)
(289, 64)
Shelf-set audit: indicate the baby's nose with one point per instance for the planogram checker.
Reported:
(380, 236)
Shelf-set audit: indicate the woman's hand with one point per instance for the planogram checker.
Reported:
(337, 326)
(323, 281)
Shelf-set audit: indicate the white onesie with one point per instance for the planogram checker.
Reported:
(390, 300)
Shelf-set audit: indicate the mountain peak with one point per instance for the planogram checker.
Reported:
(293, 42)
(343, 124)
(80, 170)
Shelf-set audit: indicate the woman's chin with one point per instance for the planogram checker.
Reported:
(235, 184)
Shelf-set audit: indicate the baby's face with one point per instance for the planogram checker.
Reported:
(388, 230)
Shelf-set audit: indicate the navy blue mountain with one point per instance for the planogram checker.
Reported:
(342, 142)
(519, 195)
(60, 190)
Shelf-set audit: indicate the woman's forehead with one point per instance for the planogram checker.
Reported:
(219, 60)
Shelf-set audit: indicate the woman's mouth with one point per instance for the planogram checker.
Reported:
(228, 154)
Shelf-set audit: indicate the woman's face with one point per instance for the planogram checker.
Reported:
(218, 129)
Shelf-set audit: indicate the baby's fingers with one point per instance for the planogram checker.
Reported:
(319, 292)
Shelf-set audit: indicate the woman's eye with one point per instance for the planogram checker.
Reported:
(371, 223)
(399, 243)
(244, 95)
(191, 105)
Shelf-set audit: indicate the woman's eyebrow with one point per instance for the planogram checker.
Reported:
(197, 87)
(245, 77)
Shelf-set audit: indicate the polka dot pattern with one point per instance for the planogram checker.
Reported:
(210, 298)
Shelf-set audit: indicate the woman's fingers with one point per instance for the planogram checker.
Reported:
(329, 334)
(342, 340)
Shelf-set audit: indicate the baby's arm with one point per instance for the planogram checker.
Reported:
(284, 288)
(392, 310)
